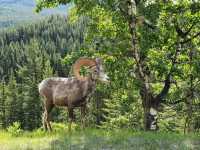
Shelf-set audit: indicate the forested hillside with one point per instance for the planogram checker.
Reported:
(29, 54)
(14, 12)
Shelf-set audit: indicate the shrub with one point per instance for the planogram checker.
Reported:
(60, 127)
(15, 129)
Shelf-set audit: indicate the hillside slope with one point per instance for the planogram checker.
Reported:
(18, 11)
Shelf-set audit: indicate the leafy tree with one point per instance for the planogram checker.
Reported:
(157, 33)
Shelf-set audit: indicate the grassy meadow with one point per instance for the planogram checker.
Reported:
(95, 139)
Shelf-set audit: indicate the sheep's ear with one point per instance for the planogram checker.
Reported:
(98, 61)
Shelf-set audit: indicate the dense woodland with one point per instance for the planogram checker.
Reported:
(151, 51)
(29, 54)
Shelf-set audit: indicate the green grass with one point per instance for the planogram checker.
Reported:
(97, 139)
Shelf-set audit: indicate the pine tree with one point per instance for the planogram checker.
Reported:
(2, 104)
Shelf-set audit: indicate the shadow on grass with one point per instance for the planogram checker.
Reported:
(115, 141)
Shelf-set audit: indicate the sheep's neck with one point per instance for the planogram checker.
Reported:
(89, 87)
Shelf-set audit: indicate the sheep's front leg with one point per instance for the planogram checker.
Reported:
(71, 118)
(46, 120)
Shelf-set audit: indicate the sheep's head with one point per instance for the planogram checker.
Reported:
(95, 67)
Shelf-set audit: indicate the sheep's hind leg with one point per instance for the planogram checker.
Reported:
(71, 118)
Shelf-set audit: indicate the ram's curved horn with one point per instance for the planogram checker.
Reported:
(82, 62)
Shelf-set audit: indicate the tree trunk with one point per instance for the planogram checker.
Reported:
(150, 103)
(189, 99)
(150, 108)
(150, 119)
(142, 72)
(2, 107)
(188, 121)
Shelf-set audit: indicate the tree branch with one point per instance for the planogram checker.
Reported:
(168, 82)
(149, 24)
(176, 102)
(188, 40)
(141, 20)
(182, 33)
(165, 89)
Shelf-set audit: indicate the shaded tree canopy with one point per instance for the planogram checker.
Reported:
(159, 34)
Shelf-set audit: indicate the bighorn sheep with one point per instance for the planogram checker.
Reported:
(73, 91)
